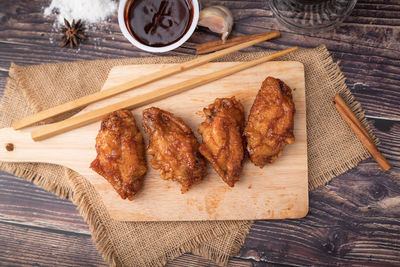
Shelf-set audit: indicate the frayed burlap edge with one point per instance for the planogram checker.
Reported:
(38, 180)
(207, 252)
(105, 245)
(13, 73)
(339, 82)
(98, 230)
(222, 260)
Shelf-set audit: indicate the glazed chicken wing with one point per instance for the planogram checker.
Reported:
(222, 133)
(270, 124)
(174, 148)
(120, 153)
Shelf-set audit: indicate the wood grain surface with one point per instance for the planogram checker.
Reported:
(352, 220)
(277, 192)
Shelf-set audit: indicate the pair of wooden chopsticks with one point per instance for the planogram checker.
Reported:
(92, 116)
(146, 79)
(360, 131)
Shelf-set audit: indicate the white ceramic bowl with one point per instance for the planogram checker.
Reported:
(125, 32)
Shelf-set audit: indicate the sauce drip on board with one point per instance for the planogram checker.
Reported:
(158, 23)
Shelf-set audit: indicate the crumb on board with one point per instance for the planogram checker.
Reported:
(200, 113)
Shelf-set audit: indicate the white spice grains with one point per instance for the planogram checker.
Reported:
(89, 11)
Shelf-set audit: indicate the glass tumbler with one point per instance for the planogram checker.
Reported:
(311, 15)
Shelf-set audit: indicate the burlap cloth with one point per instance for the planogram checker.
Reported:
(332, 149)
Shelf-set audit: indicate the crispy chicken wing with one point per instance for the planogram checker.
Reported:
(223, 142)
(270, 124)
(120, 153)
(174, 148)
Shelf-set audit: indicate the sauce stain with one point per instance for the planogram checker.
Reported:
(194, 203)
(267, 214)
(198, 100)
(213, 198)
(167, 186)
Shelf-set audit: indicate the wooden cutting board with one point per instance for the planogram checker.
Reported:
(277, 191)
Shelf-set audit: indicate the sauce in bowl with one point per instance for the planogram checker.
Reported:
(158, 23)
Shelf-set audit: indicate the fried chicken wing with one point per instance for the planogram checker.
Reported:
(120, 153)
(270, 124)
(174, 148)
(223, 142)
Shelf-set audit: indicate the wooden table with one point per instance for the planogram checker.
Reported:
(353, 219)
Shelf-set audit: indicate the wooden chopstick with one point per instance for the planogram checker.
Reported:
(92, 116)
(86, 100)
(360, 131)
(218, 45)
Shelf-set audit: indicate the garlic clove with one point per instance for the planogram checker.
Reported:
(218, 19)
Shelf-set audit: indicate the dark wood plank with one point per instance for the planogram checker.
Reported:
(353, 220)
(190, 260)
(388, 133)
(22, 203)
(34, 246)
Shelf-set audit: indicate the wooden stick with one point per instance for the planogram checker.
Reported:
(92, 116)
(218, 45)
(86, 100)
(360, 131)
(339, 101)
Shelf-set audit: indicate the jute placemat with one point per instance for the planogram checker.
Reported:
(332, 149)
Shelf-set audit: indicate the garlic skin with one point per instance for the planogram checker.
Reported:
(218, 19)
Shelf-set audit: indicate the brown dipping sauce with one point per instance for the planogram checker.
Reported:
(158, 23)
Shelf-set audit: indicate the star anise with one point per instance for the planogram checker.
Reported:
(72, 33)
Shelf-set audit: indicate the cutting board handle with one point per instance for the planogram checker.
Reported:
(18, 146)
